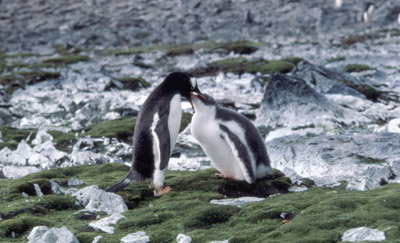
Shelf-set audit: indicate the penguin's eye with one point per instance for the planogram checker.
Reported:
(193, 82)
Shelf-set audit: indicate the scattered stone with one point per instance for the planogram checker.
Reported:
(97, 239)
(41, 137)
(56, 188)
(13, 172)
(181, 238)
(38, 191)
(238, 202)
(103, 224)
(138, 237)
(75, 182)
(286, 216)
(95, 199)
(363, 234)
(8, 157)
(42, 234)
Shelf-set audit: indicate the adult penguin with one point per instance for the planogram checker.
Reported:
(156, 129)
(230, 140)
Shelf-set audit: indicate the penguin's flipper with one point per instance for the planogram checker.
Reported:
(163, 142)
(240, 152)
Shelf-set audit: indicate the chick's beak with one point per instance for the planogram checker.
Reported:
(196, 93)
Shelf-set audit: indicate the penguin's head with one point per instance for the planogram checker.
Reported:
(185, 83)
(203, 103)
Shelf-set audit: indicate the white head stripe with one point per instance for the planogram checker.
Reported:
(193, 82)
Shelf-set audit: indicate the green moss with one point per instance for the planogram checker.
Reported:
(186, 118)
(67, 59)
(206, 216)
(319, 214)
(59, 202)
(356, 68)
(132, 83)
(293, 60)
(28, 187)
(11, 134)
(370, 92)
(368, 160)
(86, 237)
(241, 65)
(336, 59)
(121, 128)
(63, 141)
(17, 80)
(21, 225)
(180, 50)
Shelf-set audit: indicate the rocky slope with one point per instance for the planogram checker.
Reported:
(321, 85)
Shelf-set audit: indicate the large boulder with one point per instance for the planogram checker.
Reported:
(42, 234)
(365, 161)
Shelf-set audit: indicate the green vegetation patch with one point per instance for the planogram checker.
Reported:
(16, 80)
(319, 214)
(13, 136)
(121, 128)
(336, 59)
(241, 65)
(21, 225)
(130, 83)
(186, 118)
(356, 68)
(67, 59)
(370, 92)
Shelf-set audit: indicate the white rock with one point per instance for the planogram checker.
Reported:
(48, 150)
(37, 159)
(297, 188)
(181, 238)
(97, 239)
(56, 188)
(87, 158)
(14, 172)
(225, 241)
(238, 202)
(95, 199)
(75, 182)
(8, 157)
(41, 234)
(23, 150)
(138, 237)
(104, 223)
(42, 136)
(38, 191)
(363, 234)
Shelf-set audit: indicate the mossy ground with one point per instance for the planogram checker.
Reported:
(240, 65)
(356, 68)
(319, 214)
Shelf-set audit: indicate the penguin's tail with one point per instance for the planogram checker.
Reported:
(121, 185)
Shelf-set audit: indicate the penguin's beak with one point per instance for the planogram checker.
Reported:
(196, 93)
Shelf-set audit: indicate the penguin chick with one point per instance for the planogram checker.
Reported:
(230, 140)
(156, 129)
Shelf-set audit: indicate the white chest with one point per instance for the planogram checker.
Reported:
(174, 118)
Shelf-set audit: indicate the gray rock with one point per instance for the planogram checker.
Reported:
(97, 239)
(363, 160)
(42, 234)
(38, 191)
(290, 102)
(238, 202)
(137, 237)
(327, 81)
(42, 136)
(48, 150)
(95, 199)
(181, 238)
(104, 223)
(14, 172)
(8, 157)
(75, 182)
(56, 188)
(363, 234)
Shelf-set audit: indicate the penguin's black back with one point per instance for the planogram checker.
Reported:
(252, 135)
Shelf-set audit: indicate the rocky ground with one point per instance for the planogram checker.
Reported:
(322, 87)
